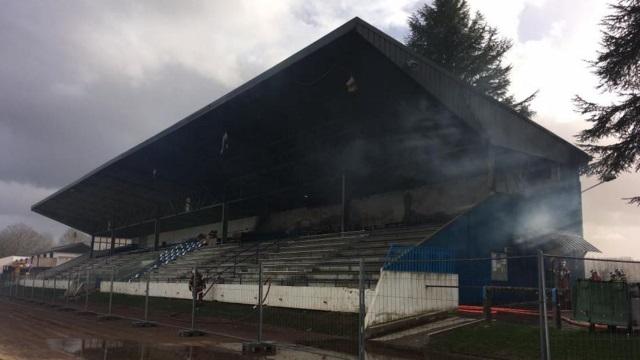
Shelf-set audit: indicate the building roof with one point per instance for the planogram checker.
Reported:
(561, 242)
(74, 248)
(151, 179)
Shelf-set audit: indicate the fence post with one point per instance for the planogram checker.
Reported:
(86, 291)
(361, 313)
(113, 271)
(42, 292)
(486, 302)
(53, 298)
(68, 291)
(194, 293)
(33, 285)
(146, 298)
(24, 286)
(557, 313)
(544, 330)
(260, 295)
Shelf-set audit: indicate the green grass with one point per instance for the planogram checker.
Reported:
(520, 341)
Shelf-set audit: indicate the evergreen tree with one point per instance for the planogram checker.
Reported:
(614, 138)
(467, 46)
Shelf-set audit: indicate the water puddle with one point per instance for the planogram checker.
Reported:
(107, 349)
(93, 349)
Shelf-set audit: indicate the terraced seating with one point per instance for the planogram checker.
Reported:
(170, 255)
(100, 268)
(333, 260)
(314, 260)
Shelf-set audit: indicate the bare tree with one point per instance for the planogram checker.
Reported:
(21, 239)
(73, 236)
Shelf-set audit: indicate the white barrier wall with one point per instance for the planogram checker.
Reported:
(297, 297)
(397, 295)
(402, 294)
(60, 284)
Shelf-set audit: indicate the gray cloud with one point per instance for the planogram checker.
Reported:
(82, 81)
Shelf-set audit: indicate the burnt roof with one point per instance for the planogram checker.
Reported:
(305, 91)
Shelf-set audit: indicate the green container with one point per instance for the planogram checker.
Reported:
(607, 303)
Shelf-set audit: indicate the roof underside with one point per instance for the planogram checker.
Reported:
(295, 124)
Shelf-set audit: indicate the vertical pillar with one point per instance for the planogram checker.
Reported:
(224, 220)
(345, 205)
(156, 234)
(93, 241)
(113, 241)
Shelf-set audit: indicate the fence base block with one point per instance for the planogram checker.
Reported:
(108, 317)
(143, 324)
(66, 309)
(86, 312)
(261, 348)
(190, 333)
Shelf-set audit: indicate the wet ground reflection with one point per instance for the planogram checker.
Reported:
(106, 349)
(93, 349)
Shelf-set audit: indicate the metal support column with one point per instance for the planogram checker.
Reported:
(343, 224)
(113, 241)
(156, 234)
(225, 222)
(93, 241)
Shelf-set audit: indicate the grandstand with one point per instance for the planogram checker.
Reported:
(353, 148)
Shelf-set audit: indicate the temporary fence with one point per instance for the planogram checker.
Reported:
(530, 306)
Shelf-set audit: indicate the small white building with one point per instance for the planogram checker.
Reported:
(58, 255)
(8, 260)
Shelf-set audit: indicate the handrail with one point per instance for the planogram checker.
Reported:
(223, 271)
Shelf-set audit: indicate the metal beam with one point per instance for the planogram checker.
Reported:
(93, 240)
(156, 234)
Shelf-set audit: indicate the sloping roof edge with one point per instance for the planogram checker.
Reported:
(466, 101)
(301, 54)
(469, 103)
